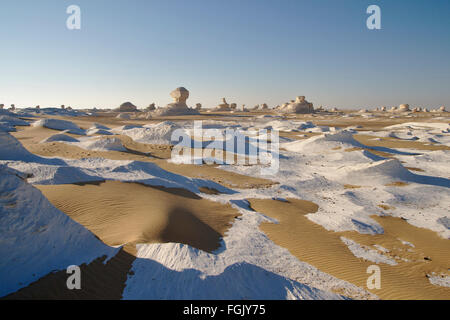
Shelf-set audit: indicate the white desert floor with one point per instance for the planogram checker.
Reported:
(356, 168)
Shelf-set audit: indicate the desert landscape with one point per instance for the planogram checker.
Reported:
(101, 189)
(224, 159)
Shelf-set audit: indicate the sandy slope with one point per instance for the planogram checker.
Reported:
(325, 250)
(130, 213)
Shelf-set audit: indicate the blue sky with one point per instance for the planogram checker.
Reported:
(249, 51)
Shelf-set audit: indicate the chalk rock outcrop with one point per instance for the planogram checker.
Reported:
(179, 106)
(442, 109)
(403, 108)
(224, 106)
(127, 107)
(264, 106)
(300, 105)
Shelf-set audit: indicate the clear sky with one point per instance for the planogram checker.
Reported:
(249, 51)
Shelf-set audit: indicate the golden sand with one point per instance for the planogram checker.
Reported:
(324, 249)
(129, 213)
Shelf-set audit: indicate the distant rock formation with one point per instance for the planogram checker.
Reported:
(127, 107)
(264, 106)
(2, 106)
(63, 107)
(224, 106)
(198, 106)
(334, 110)
(403, 108)
(300, 105)
(233, 106)
(151, 107)
(179, 106)
(442, 109)
(383, 108)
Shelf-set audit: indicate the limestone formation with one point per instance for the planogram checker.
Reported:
(300, 105)
(334, 110)
(233, 106)
(383, 108)
(442, 109)
(179, 106)
(393, 109)
(224, 106)
(264, 106)
(403, 108)
(151, 107)
(127, 107)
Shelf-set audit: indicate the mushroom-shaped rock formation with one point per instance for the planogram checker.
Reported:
(179, 106)
(300, 105)
(151, 107)
(403, 108)
(127, 107)
(198, 106)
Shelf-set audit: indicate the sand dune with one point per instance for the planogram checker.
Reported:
(129, 213)
(325, 250)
